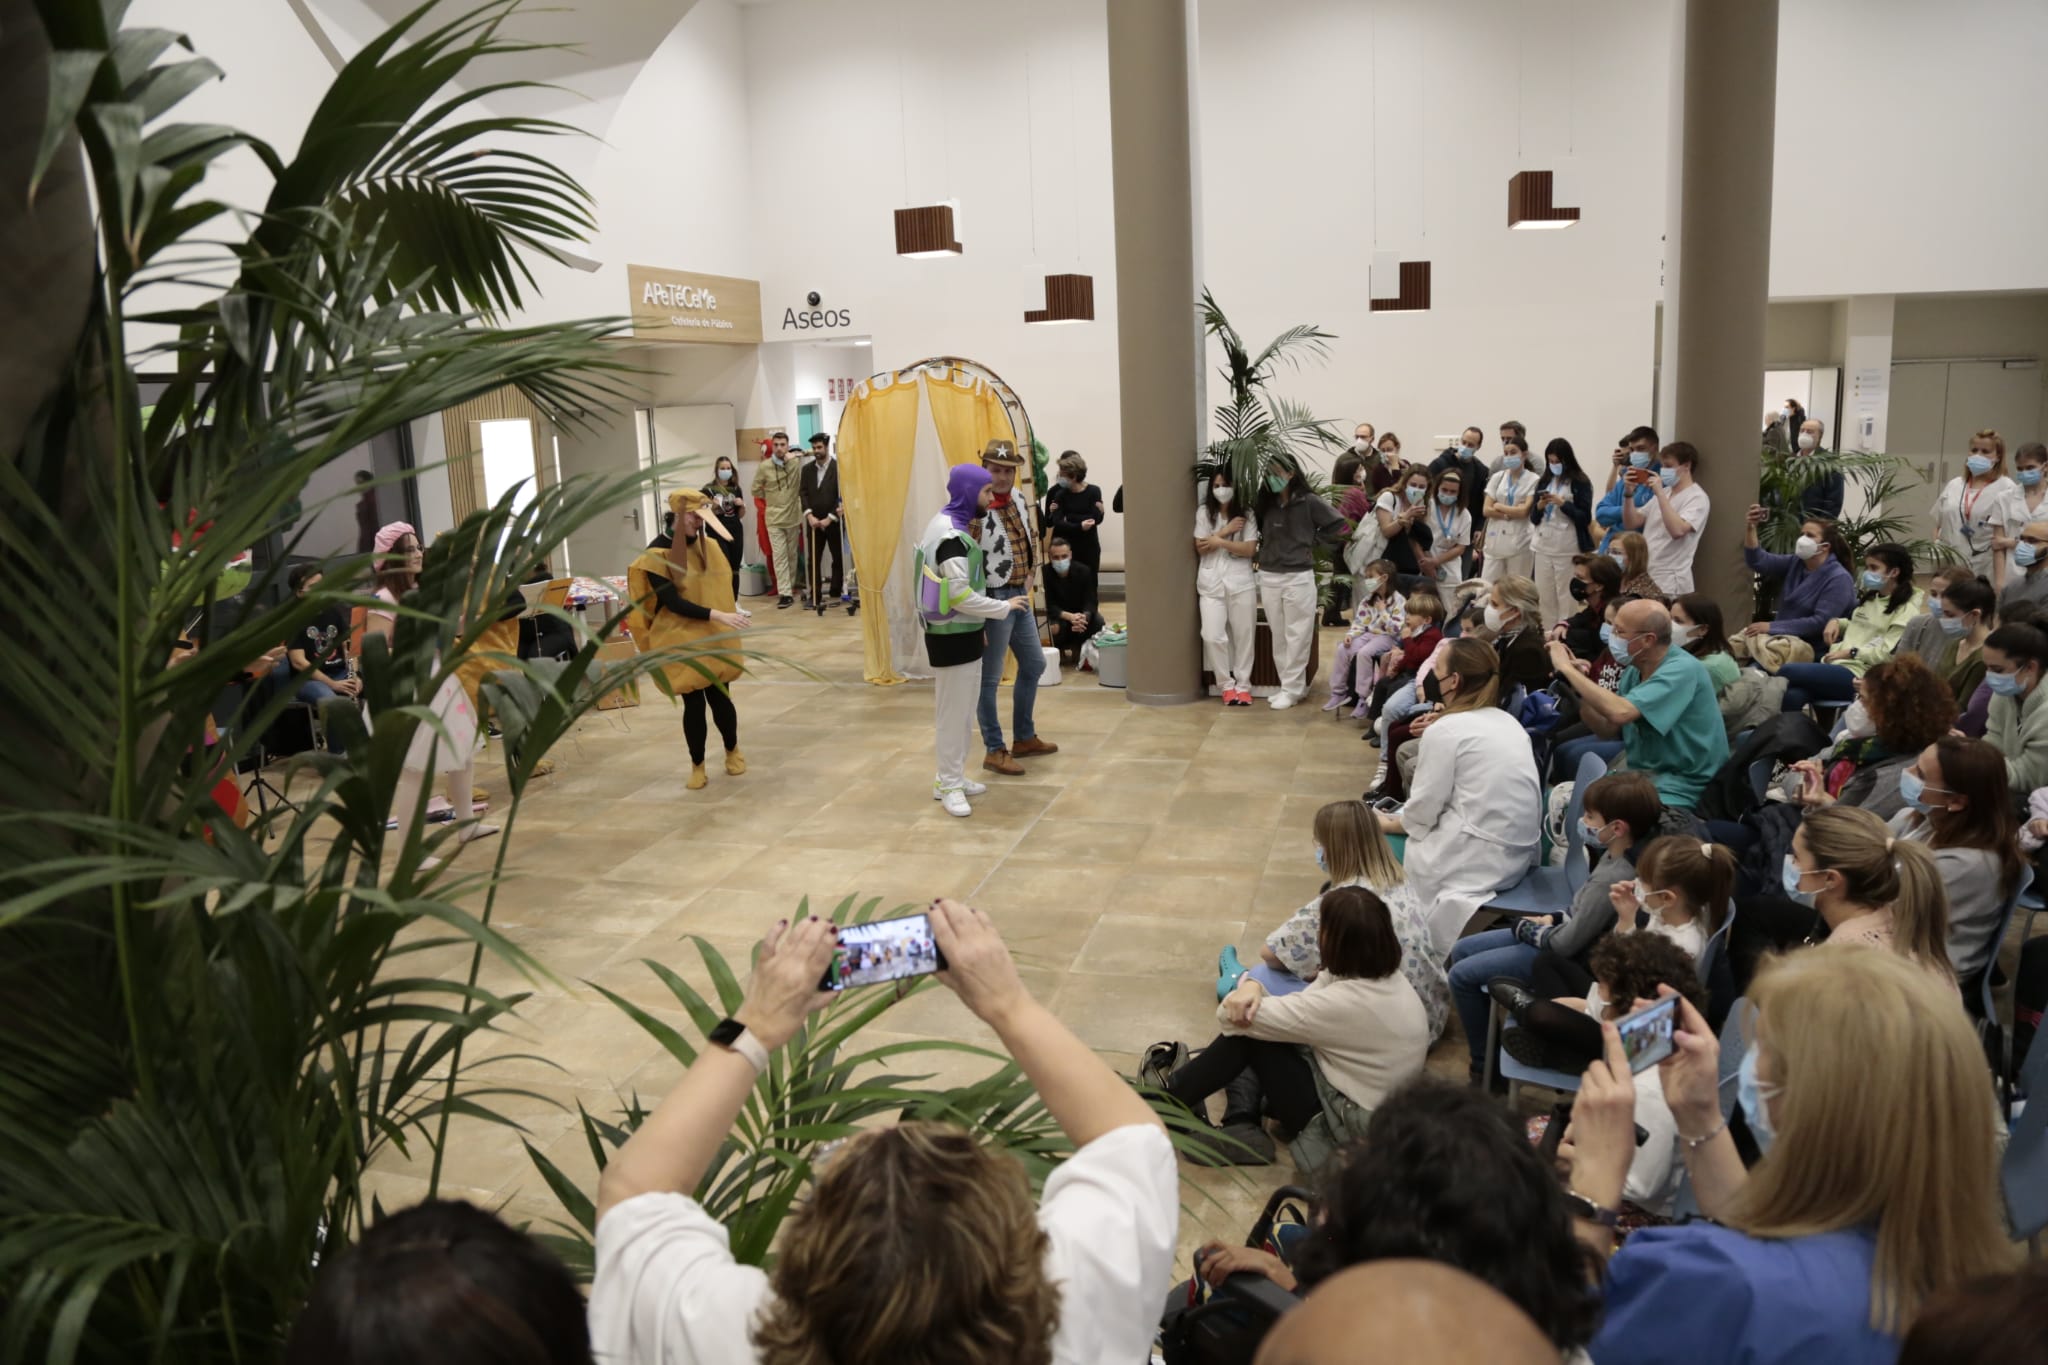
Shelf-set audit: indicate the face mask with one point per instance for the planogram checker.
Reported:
(1790, 874)
(1620, 560)
(1447, 498)
(1607, 635)
(1590, 832)
(1373, 586)
(2003, 684)
(1060, 566)
(1222, 492)
(1979, 464)
(1785, 414)
(1751, 1093)
(1556, 470)
(1416, 492)
(1873, 579)
(1952, 626)
(1578, 590)
(1670, 477)
(1620, 646)
(1389, 456)
(2024, 554)
(1494, 617)
(1465, 452)
(2030, 477)
(1432, 689)
(1640, 459)
(725, 476)
(1807, 440)
(1360, 444)
(1911, 788)
(1276, 482)
(1322, 859)
(1511, 463)
(1684, 635)
(1806, 547)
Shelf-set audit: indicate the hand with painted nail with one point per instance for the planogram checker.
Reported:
(784, 987)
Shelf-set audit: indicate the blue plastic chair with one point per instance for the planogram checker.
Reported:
(2024, 1171)
(1549, 890)
(1519, 1075)
(1978, 997)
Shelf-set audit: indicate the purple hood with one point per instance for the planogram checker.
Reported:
(963, 488)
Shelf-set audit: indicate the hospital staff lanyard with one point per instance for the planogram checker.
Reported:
(1508, 487)
(1969, 505)
(1444, 524)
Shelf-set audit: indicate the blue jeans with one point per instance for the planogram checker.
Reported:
(1016, 632)
(312, 691)
(1564, 760)
(1808, 683)
(1474, 961)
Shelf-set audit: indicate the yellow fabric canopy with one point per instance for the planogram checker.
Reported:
(967, 413)
(877, 439)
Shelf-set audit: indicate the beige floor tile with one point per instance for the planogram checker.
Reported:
(1133, 946)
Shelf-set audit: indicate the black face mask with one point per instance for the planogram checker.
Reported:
(1579, 590)
(1432, 689)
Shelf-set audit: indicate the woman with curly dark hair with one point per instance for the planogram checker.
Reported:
(1444, 1173)
(1909, 708)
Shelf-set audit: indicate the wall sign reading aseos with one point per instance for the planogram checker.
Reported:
(815, 319)
(675, 305)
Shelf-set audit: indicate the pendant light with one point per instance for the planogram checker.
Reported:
(1529, 206)
(1068, 298)
(926, 231)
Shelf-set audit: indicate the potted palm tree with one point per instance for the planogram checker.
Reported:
(1260, 432)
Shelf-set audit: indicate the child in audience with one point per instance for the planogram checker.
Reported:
(1422, 633)
(1351, 851)
(1879, 1187)
(1375, 632)
(1680, 892)
(1632, 553)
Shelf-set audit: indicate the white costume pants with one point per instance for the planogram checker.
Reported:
(1554, 587)
(1509, 564)
(1289, 600)
(956, 691)
(1230, 635)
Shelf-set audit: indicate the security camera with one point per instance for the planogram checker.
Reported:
(814, 298)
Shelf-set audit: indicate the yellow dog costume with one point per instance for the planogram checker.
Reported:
(703, 576)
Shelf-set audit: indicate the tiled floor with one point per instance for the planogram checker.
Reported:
(1116, 868)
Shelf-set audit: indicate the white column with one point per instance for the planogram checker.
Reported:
(1866, 383)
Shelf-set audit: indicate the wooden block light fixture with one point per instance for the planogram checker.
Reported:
(1529, 206)
(1068, 298)
(926, 231)
(1408, 279)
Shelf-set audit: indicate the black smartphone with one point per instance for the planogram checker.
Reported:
(884, 950)
(1646, 1035)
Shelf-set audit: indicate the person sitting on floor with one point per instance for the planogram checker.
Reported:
(1070, 604)
(1664, 711)
(1329, 1052)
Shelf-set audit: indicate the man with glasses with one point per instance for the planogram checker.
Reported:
(1663, 708)
(2030, 556)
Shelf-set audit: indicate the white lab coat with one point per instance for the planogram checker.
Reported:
(1474, 816)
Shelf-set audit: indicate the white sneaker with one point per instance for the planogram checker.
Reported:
(955, 801)
(973, 788)
(1280, 701)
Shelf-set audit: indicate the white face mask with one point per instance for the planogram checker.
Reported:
(1494, 617)
(1806, 547)
(1682, 636)
(1361, 444)
(1373, 586)
(1807, 440)
(1222, 492)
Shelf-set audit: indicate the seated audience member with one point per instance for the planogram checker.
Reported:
(1596, 581)
(969, 1258)
(1406, 1310)
(1850, 646)
(1923, 634)
(1474, 815)
(1859, 883)
(1878, 1188)
(1564, 1035)
(318, 658)
(1632, 553)
(2015, 660)
(1512, 615)
(1697, 628)
(1965, 620)
(1443, 1174)
(1958, 804)
(1397, 695)
(1993, 1320)
(1816, 588)
(1571, 742)
(2030, 555)
(1672, 522)
(1637, 450)
(1664, 710)
(1070, 605)
(1375, 632)
(1351, 851)
(1680, 892)
(1331, 1050)
(1907, 708)
(447, 1283)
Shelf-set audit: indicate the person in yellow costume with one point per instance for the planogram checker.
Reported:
(681, 588)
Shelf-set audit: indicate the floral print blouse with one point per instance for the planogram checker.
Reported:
(1295, 944)
(1379, 618)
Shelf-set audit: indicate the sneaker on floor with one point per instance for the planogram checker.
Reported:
(973, 788)
(1337, 703)
(1161, 1060)
(954, 799)
(1244, 697)
(1280, 701)
(784, 602)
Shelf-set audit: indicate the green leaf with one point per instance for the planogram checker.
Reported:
(71, 77)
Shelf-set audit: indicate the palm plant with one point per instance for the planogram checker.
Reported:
(1259, 430)
(207, 1030)
(1880, 479)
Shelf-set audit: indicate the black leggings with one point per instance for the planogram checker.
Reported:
(722, 711)
(1286, 1080)
(1768, 924)
(1573, 1033)
(1553, 976)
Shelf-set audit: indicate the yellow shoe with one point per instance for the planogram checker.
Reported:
(735, 763)
(698, 780)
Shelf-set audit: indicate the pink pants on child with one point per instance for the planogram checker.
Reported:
(1351, 674)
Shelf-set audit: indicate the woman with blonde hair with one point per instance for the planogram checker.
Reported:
(1632, 553)
(1879, 1188)
(1351, 851)
(1977, 508)
(1867, 886)
(1474, 813)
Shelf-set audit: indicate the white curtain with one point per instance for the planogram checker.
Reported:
(927, 495)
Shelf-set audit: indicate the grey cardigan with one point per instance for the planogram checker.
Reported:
(1592, 914)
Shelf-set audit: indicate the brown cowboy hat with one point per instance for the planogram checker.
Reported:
(1000, 451)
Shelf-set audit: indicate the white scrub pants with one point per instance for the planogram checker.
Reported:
(956, 690)
(1290, 603)
(1554, 587)
(1230, 636)
(1512, 564)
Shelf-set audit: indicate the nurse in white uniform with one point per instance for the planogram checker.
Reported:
(1978, 507)
(1474, 812)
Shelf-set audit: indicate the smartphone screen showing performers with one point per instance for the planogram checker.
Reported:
(1646, 1034)
(883, 950)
